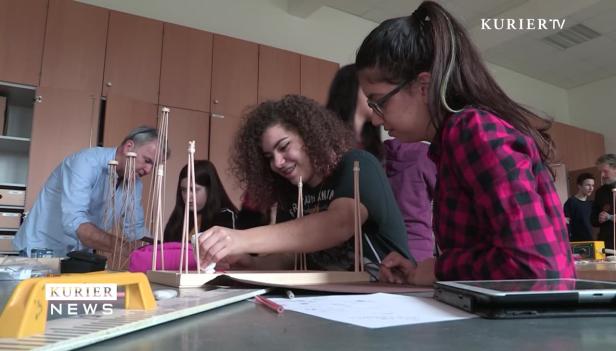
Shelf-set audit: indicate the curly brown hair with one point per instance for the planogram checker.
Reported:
(325, 139)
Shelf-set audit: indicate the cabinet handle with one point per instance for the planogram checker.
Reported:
(216, 101)
(108, 84)
(38, 98)
(217, 115)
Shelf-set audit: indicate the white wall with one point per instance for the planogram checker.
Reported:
(327, 33)
(541, 96)
(592, 107)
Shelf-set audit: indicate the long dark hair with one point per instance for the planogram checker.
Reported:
(431, 40)
(217, 200)
(342, 100)
(325, 138)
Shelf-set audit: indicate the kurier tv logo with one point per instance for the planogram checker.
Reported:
(75, 299)
(522, 24)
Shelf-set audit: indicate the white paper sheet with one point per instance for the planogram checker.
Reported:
(375, 310)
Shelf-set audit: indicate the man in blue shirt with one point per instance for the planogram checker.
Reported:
(69, 211)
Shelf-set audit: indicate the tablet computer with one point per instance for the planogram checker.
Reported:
(527, 298)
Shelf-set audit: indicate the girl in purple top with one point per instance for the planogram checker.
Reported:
(411, 173)
(496, 211)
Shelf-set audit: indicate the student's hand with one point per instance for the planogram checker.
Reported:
(217, 243)
(603, 216)
(399, 270)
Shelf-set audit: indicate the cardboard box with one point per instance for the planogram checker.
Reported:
(2, 114)
(10, 220)
(12, 197)
(6, 243)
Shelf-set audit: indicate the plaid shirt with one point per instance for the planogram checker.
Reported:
(496, 211)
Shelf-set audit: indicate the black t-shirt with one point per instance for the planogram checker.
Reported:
(579, 213)
(384, 228)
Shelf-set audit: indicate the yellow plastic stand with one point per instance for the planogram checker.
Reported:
(25, 313)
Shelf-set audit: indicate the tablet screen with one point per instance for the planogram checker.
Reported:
(541, 285)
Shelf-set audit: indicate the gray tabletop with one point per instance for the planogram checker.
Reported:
(247, 325)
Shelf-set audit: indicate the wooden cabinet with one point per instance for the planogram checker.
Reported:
(22, 31)
(64, 122)
(123, 114)
(184, 125)
(234, 89)
(595, 146)
(316, 77)
(576, 147)
(186, 70)
(75, 41)
(132, 62)
(234, 76)
(222, 132)
(279, 73)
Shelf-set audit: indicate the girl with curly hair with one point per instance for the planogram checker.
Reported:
(292, 138)
(497, 214)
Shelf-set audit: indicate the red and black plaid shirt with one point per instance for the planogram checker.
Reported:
(496, 214)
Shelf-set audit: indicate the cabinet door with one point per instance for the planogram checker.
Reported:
(184, 125)
(64, 122)
(595, 147)
(75, 42)
(234, 89)
(222, 133)
(557, 132)
(316, 77)
(22, 31)
(234, 76)
(132, 63)
(123, 114)
(279, 73)
(186, 71)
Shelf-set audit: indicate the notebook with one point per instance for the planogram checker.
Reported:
(530, 298)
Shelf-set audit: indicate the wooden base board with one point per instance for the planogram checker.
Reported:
(597, 270)
(262, 278)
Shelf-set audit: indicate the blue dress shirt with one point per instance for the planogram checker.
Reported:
(75, 193)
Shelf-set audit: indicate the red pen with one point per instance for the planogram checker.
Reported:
(269, 304)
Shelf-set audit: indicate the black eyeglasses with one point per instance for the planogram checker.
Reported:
(378, 105)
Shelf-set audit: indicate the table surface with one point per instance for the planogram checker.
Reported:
(245, 324)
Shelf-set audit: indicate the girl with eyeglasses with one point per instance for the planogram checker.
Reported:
(496, 214)
(283, 141)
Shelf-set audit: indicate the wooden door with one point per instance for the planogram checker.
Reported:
(132, 62)
(316, 77)
(186, 71)
(234, 90)
(75, 41)
(64, 122)
(184, 125)
(279, 73)
(22, 32)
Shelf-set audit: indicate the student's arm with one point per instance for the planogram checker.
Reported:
(311, 233)
(91, 236)
(518, 238)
